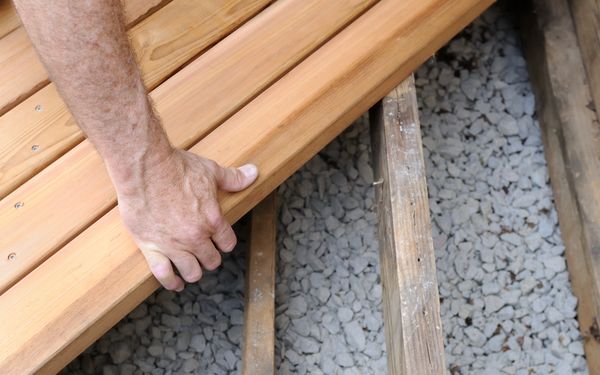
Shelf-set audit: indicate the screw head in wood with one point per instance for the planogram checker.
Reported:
(38, 108)
(12, 256)
(35, 148)
(19, 204)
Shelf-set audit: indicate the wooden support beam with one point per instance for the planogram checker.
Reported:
(258, 356)
(93, 281)
(191, 104)
(19, 61)
(162, 42)
(572, 149)
(586, 18)
(411, 303)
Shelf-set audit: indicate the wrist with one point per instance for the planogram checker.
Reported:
(132, 166)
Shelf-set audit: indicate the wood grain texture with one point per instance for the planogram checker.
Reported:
(163, 43)
(258, 348)
(9, 20)
(569, 128)
(586, 17)
(411, 304)
(184, 29)
(91, 282)
(23, 73)
(190, 104)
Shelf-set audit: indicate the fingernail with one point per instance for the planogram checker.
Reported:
(249, 170)
(180, 289)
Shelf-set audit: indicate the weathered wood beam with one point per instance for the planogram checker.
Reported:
(586, 18)
(572, 149)
(411, 303)
(258, 355)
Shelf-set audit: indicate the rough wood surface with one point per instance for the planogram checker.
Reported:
(23, 73)
(258, 355)
(95, 279)
(586, 17)
(570, 134)
(163, 42)
(191, 104)
(411, 304)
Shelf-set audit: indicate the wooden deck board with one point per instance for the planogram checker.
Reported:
(19, 60)
(570, 134)
(411, 305)
(9, 20)
(162, 42)
(191, 104)
(258, 347)
(95, 279)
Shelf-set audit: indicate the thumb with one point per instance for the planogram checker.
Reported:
(236, 179)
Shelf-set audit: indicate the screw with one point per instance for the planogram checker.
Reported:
(38, 108)
(35, 148)
(12, 256)
(19, 204)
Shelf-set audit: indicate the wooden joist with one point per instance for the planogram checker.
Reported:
(163, 42)
(191, 104)
(258, 356)
(89, 284)
(18, 59)
(572, 147)
(586, 17)
(411, 305)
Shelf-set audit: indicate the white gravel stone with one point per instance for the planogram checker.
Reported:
(355, 336)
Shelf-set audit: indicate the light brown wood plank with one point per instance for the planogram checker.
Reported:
(559, 83)
(89, 284)
(586, 17)
(9, 20)
(258, 355)
(163, 42)
(23, 73)
(411, 304)
(191, 104)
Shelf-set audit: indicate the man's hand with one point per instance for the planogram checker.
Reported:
(174, 216)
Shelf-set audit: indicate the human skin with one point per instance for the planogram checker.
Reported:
(167, 197)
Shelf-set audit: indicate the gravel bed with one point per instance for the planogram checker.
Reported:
(507, 306)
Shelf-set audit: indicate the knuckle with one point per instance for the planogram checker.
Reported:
(194, 276)
(162, 270)
(229, 243)
(213, 218)
(213, 262)
(195, 234)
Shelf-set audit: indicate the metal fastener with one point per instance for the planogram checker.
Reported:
(35, 148)
(12, 256)
(19, 204)
(38, 108)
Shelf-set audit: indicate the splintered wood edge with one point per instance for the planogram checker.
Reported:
(411, 301)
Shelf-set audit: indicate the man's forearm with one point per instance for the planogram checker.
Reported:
(84, 46)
